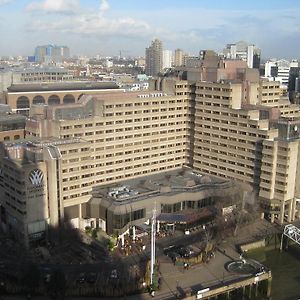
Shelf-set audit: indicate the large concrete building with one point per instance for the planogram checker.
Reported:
(223, 121)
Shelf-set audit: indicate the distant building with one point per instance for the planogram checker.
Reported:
(9, 76)
(154, 58)
(167, 59)
(280, 70)
(244, 51)
(178, 58)
(51, 54)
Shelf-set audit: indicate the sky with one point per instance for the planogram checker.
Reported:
(106, 27)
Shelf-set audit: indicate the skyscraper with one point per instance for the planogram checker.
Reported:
(154, 58)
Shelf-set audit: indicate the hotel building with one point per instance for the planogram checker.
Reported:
(227, 124)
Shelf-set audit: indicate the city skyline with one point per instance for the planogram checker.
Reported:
(105, 27)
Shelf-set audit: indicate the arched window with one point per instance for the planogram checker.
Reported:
(53, 100)
(16, 137)
(69, 99)
(38, 100)
(22, 102)
(6, 138)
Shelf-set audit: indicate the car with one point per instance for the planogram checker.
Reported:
(81, 278)
(114, 274)
(91, 278)
(185, 251)
(169, 249)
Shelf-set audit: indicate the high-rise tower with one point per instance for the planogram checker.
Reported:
(154, 55)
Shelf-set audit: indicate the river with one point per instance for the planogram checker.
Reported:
(285, 267)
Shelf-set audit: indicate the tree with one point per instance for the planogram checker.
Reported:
(57, 285)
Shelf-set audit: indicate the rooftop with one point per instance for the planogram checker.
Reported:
(61, 86)
(168, 182)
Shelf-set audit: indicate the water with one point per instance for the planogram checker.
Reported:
(285, 267)
(241, 267)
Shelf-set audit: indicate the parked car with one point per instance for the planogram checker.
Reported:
(114, 274)
(81, 278)
(173, 255)
(185, 251)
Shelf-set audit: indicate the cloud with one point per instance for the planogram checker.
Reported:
(86, 21)
(55, 6)
(193, 30)
(104, 6)
(2, 2)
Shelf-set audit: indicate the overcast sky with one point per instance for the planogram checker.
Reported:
(105, 27)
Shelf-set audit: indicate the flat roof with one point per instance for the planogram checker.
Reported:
(61, 86)
(136, 189)
(11, 118)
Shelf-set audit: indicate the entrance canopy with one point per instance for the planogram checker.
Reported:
(187, 217)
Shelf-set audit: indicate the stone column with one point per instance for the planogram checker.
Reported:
(290, 212)
(281, 220)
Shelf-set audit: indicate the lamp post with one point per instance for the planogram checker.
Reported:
(153, 232)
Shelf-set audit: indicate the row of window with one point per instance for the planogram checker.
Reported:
(128, 175)
(147, 103)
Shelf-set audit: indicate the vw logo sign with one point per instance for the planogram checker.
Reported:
(36, 177)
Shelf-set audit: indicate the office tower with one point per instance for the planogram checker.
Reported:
(167, 59)
(51, 54)
(244, 51)
(178, 58)
(154, 58)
